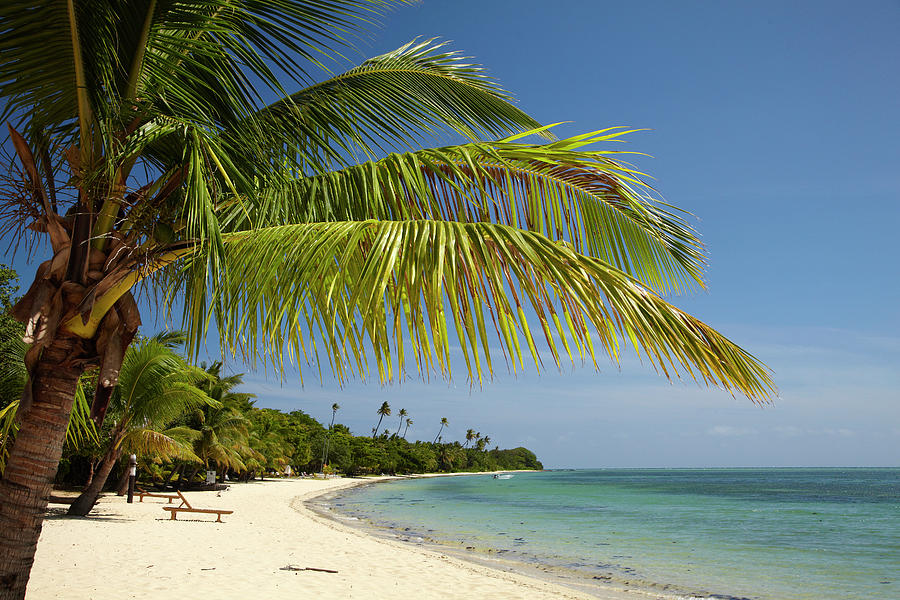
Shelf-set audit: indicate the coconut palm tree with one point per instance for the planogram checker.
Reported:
(408, 423)
(334, 408)
(382, 412)
(444, 423)
(156, 145)
(470, 435)
(402, 414)
(224, 438)
(155, 387)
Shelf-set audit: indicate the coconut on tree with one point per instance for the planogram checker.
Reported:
(156, 146)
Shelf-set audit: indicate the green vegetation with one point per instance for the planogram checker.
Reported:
(11, 346)
(187, 420)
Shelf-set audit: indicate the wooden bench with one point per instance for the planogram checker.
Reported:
(185, 506)
(143, 493)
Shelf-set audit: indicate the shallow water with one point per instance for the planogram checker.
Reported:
(766, 534)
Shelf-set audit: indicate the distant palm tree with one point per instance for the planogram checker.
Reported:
(470, 435)
(444, 423)
(384, 411)
(446, 459)
(334, 408)
(408, 423)
(402, 414)
(224, 431)
(487, 440)
(224, 435)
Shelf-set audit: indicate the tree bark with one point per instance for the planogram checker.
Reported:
(122, 486)
(172, 473)
(90, 477)
(88, 498)
(33, 461)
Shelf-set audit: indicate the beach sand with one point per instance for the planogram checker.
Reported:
(134, 551)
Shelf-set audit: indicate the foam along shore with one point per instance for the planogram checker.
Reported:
(134, 551)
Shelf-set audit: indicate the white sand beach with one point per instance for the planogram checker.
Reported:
(134, 551)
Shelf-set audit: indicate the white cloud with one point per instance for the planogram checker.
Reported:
(730, 431)
(788, 431)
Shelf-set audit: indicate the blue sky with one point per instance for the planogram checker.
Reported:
(777, 124)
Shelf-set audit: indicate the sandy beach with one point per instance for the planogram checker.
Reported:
(134, 551)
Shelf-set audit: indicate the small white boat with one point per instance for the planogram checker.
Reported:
(502, 476)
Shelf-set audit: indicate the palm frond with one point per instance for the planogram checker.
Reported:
(420, 89)
(587, 198)
(156, 385)
(164, 445)
(197, 57)
(364, 287)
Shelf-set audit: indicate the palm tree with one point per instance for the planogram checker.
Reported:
(223, 440)
(470, 435)
(408, 423)
(402, 414)
(147, 155)
(384, 411)
(334, 408)
(444, 423)
(155, 386)
(224, 432)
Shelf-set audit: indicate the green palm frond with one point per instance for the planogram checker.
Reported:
(363, 287)
(587, 198)
(197, 58)
(156, 385)
(171, 444)
(417, 90)
(12, 372)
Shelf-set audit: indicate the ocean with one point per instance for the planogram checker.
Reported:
(766, 534)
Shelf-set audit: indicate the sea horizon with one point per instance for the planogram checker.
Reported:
(761, 533)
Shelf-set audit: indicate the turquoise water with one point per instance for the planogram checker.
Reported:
(767, 534)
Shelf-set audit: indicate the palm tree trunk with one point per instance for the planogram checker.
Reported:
(88, 498)
(33, 461)
(172, 473)
(122, 486)
(190, 477)
(90, 477)
(375, 432)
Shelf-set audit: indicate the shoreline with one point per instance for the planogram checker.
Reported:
(261, 550)
(537, 569)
